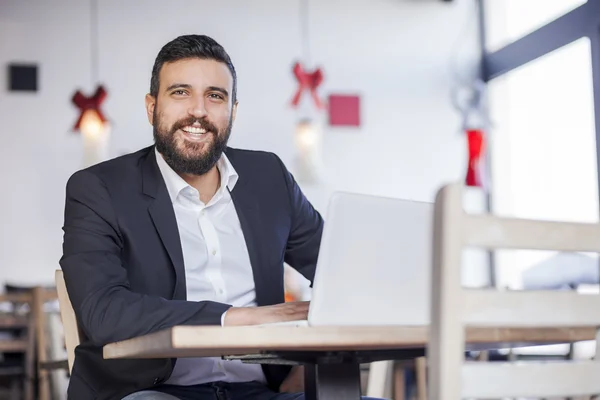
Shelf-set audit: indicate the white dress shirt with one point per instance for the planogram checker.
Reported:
(217, 266)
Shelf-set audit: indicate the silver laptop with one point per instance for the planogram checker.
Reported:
(374, 263)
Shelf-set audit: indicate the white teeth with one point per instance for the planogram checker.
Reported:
(191, 129)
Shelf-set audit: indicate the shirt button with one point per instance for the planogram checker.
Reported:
(220, 292)
(156, 380)
(214, 252)
(202, 213)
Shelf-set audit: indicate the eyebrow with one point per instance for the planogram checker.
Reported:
(179, 85)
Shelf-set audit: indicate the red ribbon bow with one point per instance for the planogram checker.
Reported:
(85, 103)
(307, 81)
(476, 143)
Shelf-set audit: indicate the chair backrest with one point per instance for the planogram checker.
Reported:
(453, 307)
(67, 315)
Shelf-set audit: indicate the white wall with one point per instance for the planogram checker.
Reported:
(396, 53)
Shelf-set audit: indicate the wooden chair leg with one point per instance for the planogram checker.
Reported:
(40, 334)
(421, 374)
(378, 378)
(399, 382)
(28, 382)
(483, 356)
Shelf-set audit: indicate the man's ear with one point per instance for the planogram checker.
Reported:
(234, 111)
(150, 104)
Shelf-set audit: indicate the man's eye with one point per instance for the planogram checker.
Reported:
(179, 92)
(216, 96)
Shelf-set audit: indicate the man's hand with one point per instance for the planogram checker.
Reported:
(294, 382)
(293, 311)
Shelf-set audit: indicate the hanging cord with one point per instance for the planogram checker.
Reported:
(94, 41)
(305, 32)
(469, 101)
(468, 93)
(464, 34)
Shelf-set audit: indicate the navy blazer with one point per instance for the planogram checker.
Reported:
(123, 262)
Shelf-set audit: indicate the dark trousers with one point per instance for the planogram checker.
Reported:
(227, 391)
(219, 391)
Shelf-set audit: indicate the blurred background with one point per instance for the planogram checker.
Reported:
(402, 82)
(400, 58)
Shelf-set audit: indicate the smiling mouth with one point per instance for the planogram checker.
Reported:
(195, 134)
(194, 130)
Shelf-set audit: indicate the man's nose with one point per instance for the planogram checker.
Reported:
(197, 108)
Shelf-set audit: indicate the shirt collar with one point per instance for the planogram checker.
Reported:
(175, 183)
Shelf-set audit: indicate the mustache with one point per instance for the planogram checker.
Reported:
(204, 124)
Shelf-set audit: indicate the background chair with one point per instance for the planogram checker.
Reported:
(73, 334)
(454, 308)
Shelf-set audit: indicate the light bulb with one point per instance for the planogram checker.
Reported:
(95, 135)
(306, 136)
(91, 125)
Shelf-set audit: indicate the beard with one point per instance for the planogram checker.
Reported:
(191, 159)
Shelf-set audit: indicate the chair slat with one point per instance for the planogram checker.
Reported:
(493, 232)
(493, 308)
(485, 380)
(69, 320)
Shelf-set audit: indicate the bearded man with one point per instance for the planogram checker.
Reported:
(185, 232)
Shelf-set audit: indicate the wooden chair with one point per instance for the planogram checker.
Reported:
(73, 334)
(454, 308)
(51, 365)
(40, 296)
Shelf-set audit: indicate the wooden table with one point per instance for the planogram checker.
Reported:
(331, 355)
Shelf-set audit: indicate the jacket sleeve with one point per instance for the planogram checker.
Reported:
(106, 309)
(304, 239)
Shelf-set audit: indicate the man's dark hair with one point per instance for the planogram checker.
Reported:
(191, 46)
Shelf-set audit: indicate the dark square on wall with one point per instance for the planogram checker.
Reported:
(23, 77)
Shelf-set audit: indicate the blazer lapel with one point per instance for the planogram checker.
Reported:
(163, 216)
(247, 207)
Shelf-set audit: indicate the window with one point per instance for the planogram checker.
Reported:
(543, 147)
